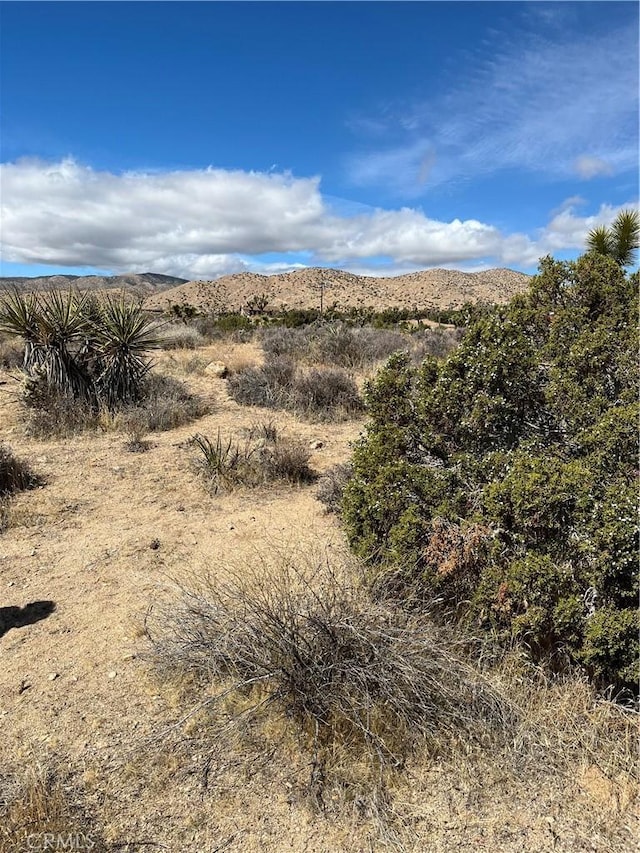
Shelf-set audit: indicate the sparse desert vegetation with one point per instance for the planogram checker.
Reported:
(214, 670)
(16, 475)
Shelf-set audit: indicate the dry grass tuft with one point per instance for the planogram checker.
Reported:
(16, 475)
(39, 810)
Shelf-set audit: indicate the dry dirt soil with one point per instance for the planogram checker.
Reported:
(110, 534)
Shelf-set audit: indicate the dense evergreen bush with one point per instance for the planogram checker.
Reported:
(503, 481)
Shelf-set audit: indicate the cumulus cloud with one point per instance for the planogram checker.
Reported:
(211, 222)
(67, 213)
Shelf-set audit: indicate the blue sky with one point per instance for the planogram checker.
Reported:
(199, 139)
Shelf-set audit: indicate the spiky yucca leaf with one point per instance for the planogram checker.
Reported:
(625, 232)
(620, 241)
(51, 326)
(18, 314)
(123, 336)
(599, 240)
(61, 317)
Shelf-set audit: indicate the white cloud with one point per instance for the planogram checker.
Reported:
(553, 105)
(566, 230)
(589, 167)
(67, 213)
(207, 223)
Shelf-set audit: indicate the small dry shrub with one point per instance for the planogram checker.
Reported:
(134, 423)
(356, 678)
(50, 412)
(287, 459)
(11, 353)
(322, 393)
(40, 812)
(224, 463)
(179, 336)
(326, 393)
(15, 474)
(167, 403)
(331, 486)
(267, 386)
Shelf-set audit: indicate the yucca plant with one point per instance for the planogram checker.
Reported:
(123, 335)
(62, 327)
(225, 464)
(80, 347)
(620, 241)
(51, 325)
(19, 316)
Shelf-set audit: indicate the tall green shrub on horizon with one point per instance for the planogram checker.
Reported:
(502, 482)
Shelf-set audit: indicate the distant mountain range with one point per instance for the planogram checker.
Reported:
(138, 284)
(435, 288)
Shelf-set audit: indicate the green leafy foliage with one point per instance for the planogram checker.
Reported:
(502, 481)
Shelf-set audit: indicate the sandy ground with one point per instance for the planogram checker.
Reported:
(107, 537)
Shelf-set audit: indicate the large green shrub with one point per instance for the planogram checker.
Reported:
(502, 482)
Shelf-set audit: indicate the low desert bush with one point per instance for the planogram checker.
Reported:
(11, 353)
(16, 475)
(164, 403)
(331, 486)
(179, 336)
(503, 479)
(326, 393)
(225, 463)
(49, 411)
(322, 393)
(308, 646)
(167, 404)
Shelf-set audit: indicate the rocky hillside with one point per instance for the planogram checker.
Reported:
(304, 288)
(138, 284)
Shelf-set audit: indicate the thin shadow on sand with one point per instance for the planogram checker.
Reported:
(18, 617)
